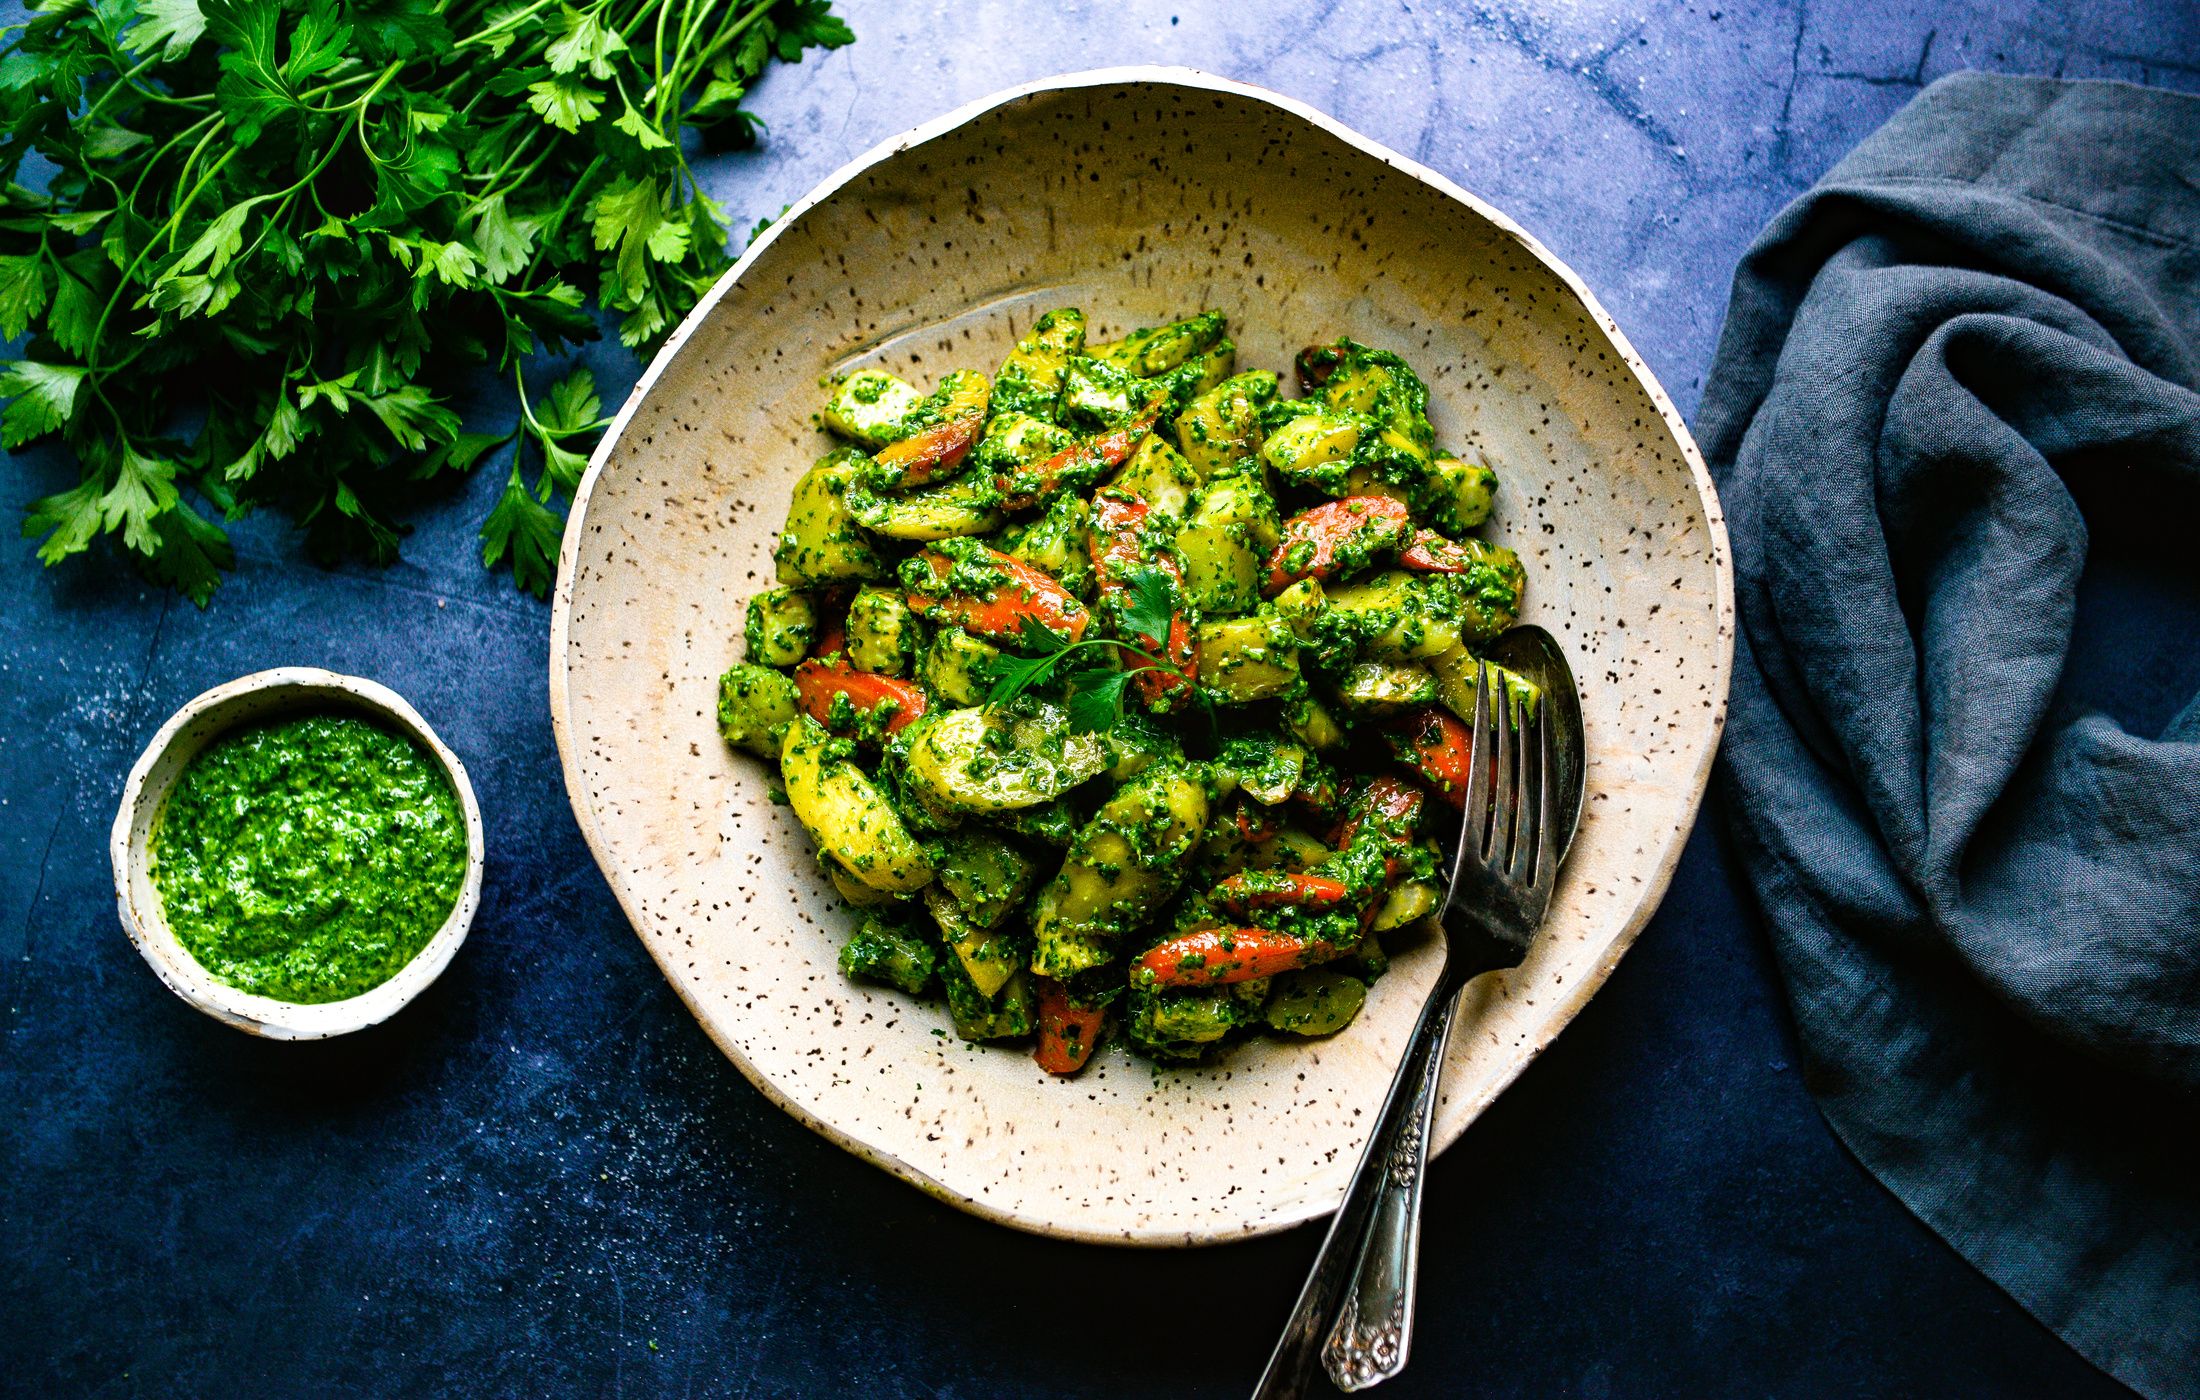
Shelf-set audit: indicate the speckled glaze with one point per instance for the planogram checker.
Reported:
(282, 692)
(1137, 194)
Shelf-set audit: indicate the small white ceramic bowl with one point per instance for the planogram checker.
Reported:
(265, 695)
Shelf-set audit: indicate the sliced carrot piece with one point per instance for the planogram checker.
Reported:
(1026, 592)
(1243, 894)
(1441, 748)
(934, 451)
(1080, 463)
(816, 683)
(1214, 957)
(1068, 1033)
(1336, 536)
(917, 459)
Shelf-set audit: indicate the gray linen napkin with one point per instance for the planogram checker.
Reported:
(1965, 360)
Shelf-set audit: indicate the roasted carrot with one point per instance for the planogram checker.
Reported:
(1000, 613)
(917, 459)
(1431, 553)
(933, 452)
(1214, 957)
(1118, 522)
(1335, 537)
(1256, 823)
(816, 683)
(1068, 1033)
(1079, 464)
(1441, 748)
(1394, 806)
(1258, 890)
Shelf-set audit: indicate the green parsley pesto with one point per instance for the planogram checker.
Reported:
(309, 859)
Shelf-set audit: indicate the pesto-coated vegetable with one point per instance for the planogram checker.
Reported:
(1123, 865)
(821, 542)
(754, 704)
(869, 406)
(845, 812)
(1143, 671)
(781, 626)
(1226, 541)
(884, 949)
(883, 635)
(1030, 380)
(985, 760)
(1222, 425)
(1248, 658)
(957, 666)
(1314, 1001)
(1009, 1014)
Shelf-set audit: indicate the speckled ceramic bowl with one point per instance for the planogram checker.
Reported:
(1138, 194)
(266, 695)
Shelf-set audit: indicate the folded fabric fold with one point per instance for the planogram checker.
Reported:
(1953, 374)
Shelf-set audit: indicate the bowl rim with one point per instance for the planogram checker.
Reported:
(1575, 995)
(140, 906)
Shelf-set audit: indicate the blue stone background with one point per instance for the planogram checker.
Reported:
(542, 1179)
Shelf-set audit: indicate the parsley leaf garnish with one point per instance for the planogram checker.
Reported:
(294, 231)
(1093, 695)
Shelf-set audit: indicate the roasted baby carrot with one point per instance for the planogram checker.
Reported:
(1214, 957)
(1336, 537)
(1068, 1033)
(1441, 748)
(995, 595)
(1079, 465)
(819, 683)
(1241, 895)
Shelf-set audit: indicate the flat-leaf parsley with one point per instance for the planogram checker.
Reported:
(279, 237)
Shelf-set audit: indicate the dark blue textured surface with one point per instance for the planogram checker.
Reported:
(542, 1178)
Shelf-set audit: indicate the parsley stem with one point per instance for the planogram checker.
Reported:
(500, 24)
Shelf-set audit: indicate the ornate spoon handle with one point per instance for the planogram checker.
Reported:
(1296, 1361)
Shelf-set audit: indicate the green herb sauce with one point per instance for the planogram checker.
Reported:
(309, 860)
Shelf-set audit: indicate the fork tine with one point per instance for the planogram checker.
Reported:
(1472, 842)
(1499, 851)
(1546, 846)
(1534, 759)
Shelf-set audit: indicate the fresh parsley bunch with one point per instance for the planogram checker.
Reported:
(278, 236)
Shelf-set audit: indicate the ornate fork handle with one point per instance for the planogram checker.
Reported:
(1366, 1262)
(1375, 1326)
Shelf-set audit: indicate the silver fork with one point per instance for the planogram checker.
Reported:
(1518, 821)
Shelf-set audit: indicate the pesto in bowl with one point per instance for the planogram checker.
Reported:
(309, 859)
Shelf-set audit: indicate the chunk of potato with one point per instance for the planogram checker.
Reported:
(847, 816)
(820, 542)
(1401, 617)
(1031, 377)
(754, 703)
(1226, 542)
(982, 760)
(869, 405)
(1124, 864)
(781, 626)
(1158, 475)
(1314, 1001)
(989, 956)
(1248, 658)
(883, 635)
(964, 506)
(959, 666)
